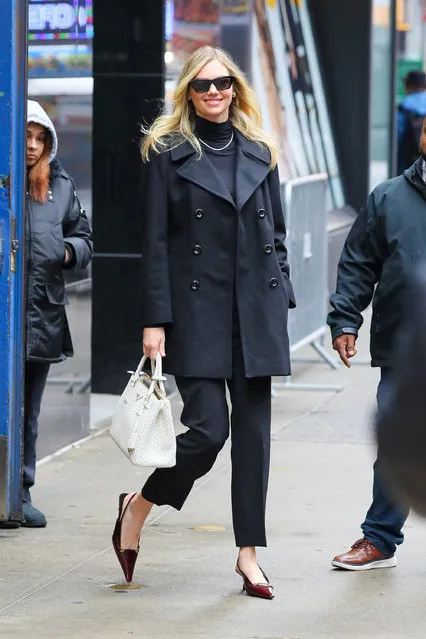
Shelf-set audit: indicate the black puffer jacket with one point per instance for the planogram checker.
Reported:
(385, 244)
(59, 221)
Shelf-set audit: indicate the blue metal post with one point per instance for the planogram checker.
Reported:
(13, 90)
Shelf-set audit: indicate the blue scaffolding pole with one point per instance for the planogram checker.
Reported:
(13, 89)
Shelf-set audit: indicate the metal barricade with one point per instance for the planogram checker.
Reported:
(305, 209)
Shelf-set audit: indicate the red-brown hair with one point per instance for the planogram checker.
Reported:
(39, 174)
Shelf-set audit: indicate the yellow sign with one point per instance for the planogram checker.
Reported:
(273, 3)
(401, 23)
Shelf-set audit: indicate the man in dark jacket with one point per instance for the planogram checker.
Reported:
(386, 241)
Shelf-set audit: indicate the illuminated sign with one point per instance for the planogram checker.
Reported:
(69, 20)
(169, 19)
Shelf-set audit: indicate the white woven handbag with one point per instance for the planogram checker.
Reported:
(142, 425)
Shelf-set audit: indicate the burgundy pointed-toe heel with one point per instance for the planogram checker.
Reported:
(126, 556)
(263, 590)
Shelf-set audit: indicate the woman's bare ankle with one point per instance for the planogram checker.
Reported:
(140, 508)
(247, 554)
(133, 521)
(247, 563)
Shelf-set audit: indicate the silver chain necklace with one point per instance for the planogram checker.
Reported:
(221, 149)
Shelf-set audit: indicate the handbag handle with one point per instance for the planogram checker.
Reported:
(156, 372)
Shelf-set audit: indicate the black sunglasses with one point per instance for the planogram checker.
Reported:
(221, 84)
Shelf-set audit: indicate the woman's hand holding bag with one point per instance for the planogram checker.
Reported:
(153, 342)
(142, 424)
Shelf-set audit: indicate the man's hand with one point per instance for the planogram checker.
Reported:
(153, 342)
(345, 346)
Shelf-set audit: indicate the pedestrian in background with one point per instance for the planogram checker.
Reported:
(411, 113)
(58, 237)
(216, 293)
(383, 247)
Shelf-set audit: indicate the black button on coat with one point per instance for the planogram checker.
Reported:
(186, 205)
(49, 227)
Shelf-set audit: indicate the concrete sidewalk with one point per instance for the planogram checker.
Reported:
(57, 582)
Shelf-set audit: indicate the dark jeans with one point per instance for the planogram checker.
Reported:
(205, 413)
(35, 382)
(385, 519)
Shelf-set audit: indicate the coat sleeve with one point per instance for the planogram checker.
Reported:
(358, 272)
(280, 232)
(156, 296)
(77, 233)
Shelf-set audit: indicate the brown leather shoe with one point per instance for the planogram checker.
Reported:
(363, 556)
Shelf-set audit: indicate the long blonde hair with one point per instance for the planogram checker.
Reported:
(168, 131)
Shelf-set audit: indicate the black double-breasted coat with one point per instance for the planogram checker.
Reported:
(201, 248)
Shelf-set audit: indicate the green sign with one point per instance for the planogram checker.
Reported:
(402, 68)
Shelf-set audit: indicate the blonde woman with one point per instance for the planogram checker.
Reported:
(216, 293)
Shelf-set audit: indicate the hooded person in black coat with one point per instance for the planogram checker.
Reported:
(383, 248)
(58, 237)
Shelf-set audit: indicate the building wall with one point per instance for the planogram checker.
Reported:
(128, 87)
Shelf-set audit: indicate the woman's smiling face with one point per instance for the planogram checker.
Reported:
(213, 104)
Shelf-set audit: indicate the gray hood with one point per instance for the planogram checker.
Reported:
(36, 113)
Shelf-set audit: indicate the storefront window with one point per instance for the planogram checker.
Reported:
(60, 38)
(60, 77)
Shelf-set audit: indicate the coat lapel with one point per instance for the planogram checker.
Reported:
(253, 166)
(200, 171)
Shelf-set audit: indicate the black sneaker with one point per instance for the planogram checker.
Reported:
(32, 518)
(9, 524)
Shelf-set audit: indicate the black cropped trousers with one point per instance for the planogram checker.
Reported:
(206, 414)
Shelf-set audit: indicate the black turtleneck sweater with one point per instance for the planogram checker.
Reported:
(217, 135)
